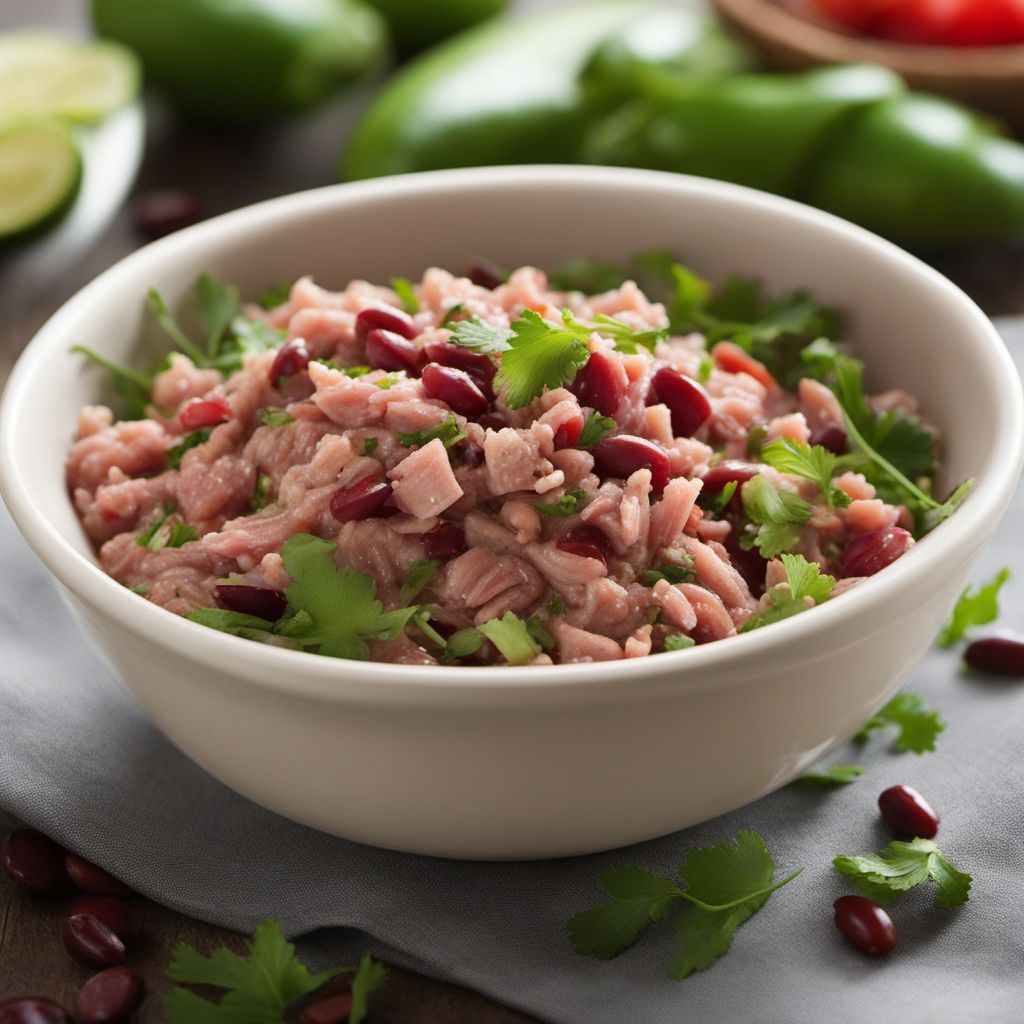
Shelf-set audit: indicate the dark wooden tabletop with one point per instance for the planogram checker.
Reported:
(227, 169)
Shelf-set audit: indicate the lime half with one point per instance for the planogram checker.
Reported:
(40, 169)
(46, 75)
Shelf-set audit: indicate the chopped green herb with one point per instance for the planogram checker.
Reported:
(449, 433)
(181, 533)
(160, 516)
(811, 462)
(259, 985)
(724, 886)
(705, 368)
(276, 295)
(162, 315)
(539, 633)
(902, 866)
(587, 276)
(806, 586)
(715, 505)
(833, 775)
(778, 514)
(477, 336)
(755, 440)
(273, 417)
(452, 313)
(673, 573)
(918, 728)
(355, 371)
(139, 588)
(249, 627)
(556, 606)
(596, 428)
(166, 532)
(218, 305)
(678, 642)
(389, 380)
(370, 445)
(420, 573)
(133, 387)
(260, 493)
(567, 505)
(462, 644)
(421, 620)
(406, 293)
(977, 608)
(187, 443)
(512, 638)
(246, 338)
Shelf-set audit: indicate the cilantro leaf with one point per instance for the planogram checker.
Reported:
(540, 355)
(333, 610)
(811, 462)
(977, 608)
(705, 368)
(512, 638)
(588, 276)
(260, 493)
(449, 433)
(778, 514)
(276, 295)
(678, 642)
(833, 775)
(162, 315)
(567, 504)
(261, 984)
(218, 305)
(806, 586)
(271, 416)
(451, 313)
(595, 429)
(462, 643)
(902, 866)
(249, 627)
(246, 337)
(674, 573)
(188, 442)
(370, 445)
(556, 606)
(724, 885)
(406, 293)
(370, 976)
(164, 531)
(477, 336)
(627, 339)
(420, 573)
(715, 505)
(638, 898)
(539, 633)
(134, 387)
(918, 728)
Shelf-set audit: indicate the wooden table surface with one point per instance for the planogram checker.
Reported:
(227, 169)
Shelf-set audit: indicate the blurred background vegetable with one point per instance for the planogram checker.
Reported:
(418, 24)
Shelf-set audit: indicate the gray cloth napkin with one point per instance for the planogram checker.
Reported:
(78, 761)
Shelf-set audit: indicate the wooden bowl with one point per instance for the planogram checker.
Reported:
(988, 78)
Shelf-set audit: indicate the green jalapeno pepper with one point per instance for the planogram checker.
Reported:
(417, 24)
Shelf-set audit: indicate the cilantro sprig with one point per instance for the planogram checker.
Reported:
(447, 432)
(166, 530)
(902, 866)
(812, 462)
(333, 612)
(596, 428)
(918, 727)
(259, 986)
(976, 607)
(724, 885)
(806, 586)
(779, 516)
(567, 505)
(187, 443)
(832, 775)
(513, 637)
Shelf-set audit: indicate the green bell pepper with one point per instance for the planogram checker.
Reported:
(247, 60)
(505, 93)
(418, 24)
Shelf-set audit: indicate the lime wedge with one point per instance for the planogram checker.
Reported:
(40, 168)
(46, 75)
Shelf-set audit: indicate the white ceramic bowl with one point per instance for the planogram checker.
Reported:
(528, 762)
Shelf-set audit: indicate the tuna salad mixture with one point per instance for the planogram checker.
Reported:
(501, 468)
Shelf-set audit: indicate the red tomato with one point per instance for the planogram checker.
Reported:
(932, 22)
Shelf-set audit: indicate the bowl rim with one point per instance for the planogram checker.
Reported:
(296, 672)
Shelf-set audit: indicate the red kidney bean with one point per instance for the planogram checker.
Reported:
(687, 401)
(833, 439)
(204, 413)
(110, 996)
(124, 919)
(624, 454)
(492, 422)
(292, 357)
(599, 383)
(329, 1010)
(586, 541)
(386, 350)
(749, 563)
(569, 433)
(259, 601)
(162, 212)
(34, 862)
(1000, 655)
(873, 551)
(455, 388)
(865, 925)
(730, 471)
(361, 500)
(480, 367)
(91, 942)
(33, 1010)
(907, 813)
(92, 879)
(388, 318)
(446, 540)
(485, 273)
(580, 548)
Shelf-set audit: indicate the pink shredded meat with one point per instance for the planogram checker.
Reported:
(503, 516)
